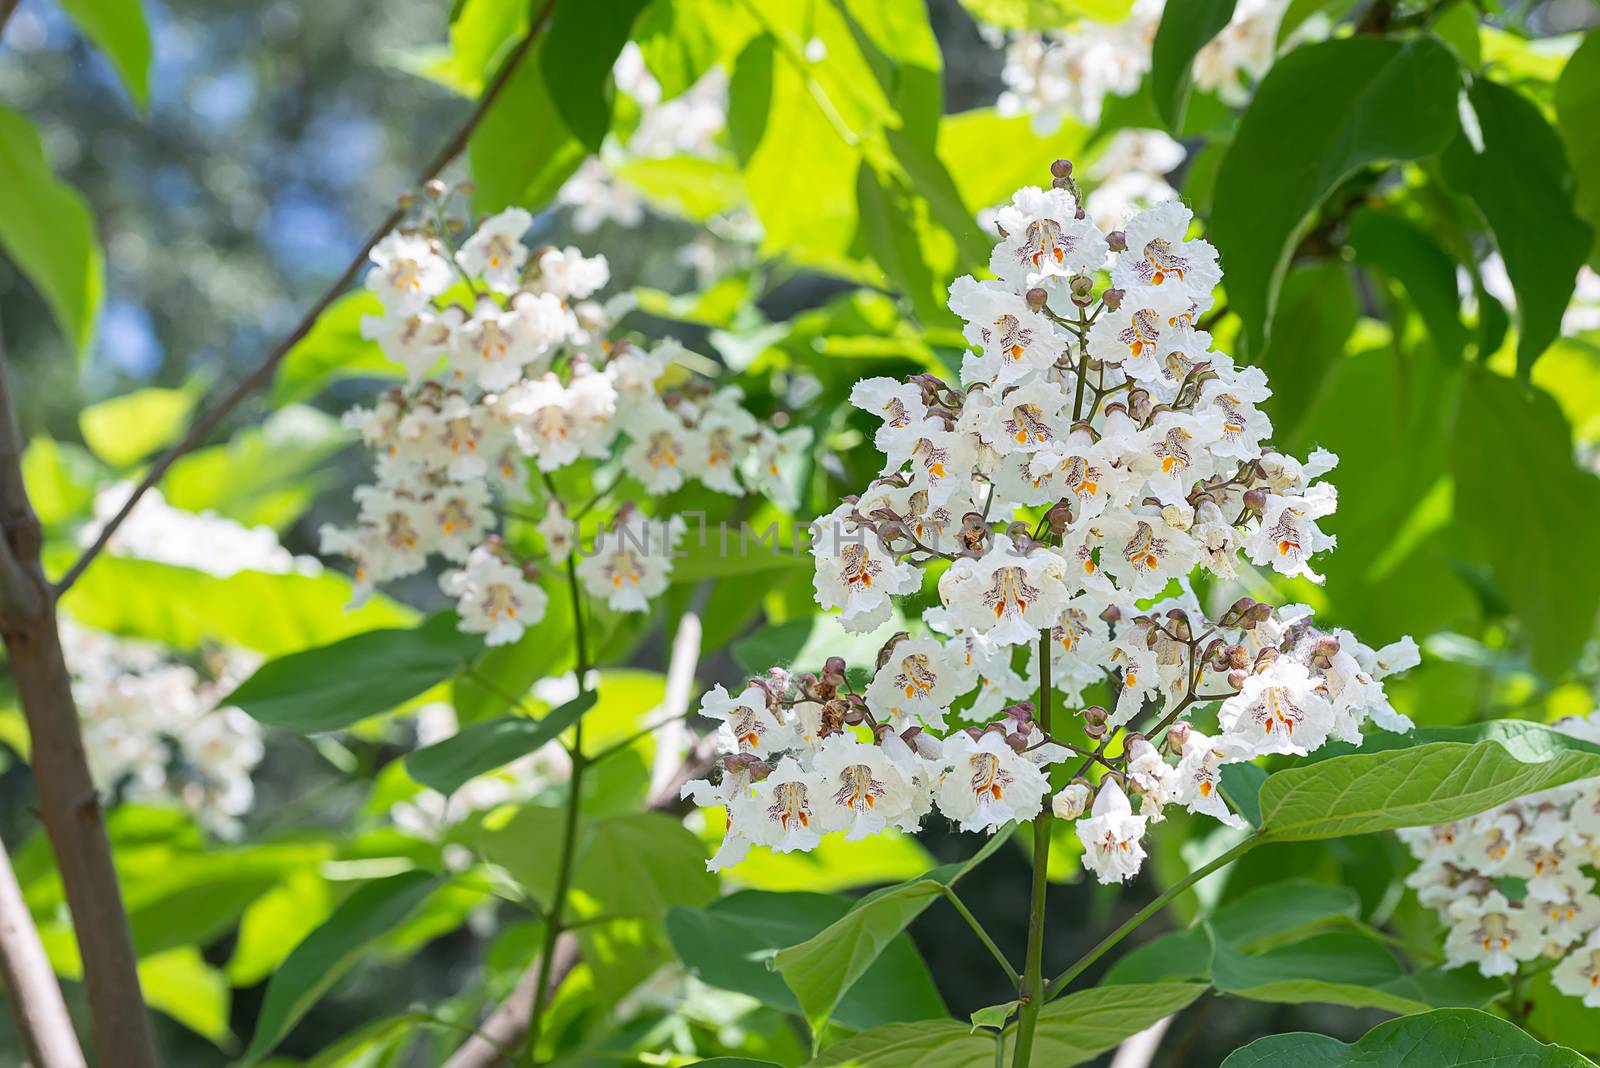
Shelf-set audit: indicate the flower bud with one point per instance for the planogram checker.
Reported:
(834, 665)
(1017, 741)
(1021, 711)
(1061, 168)
(435, 188)
(1112, 298)
(888, 647)
(1236, 679)
(1059, 517)
(1259, 613)
(1071, 801)
(1116, 240)
(1082, 289)
(1255, 499)
(1037, 298)
(1178, 737)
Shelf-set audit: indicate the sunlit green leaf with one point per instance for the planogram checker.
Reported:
(182, 985)
(1185, 28)
(1577, 103)
(448, 765)
(118, 29)
(522, 150)
(334, 349)
(48, 232)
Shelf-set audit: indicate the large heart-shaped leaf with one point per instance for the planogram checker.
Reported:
(1440, 1039)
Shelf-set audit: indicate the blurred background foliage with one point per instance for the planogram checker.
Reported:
(788, 186)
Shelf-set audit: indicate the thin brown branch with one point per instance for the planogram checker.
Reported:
(202, 427)
(46, 1029)
(68, 802)
(6, 8)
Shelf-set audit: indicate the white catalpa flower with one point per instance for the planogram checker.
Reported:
(416, 341)
(1111, 836)
(784, 814)
(747, 724)
(408, 272)
(632, 561)
(1007, 595)
(988, 784)
(864, 790)
(1158, 253)
(493, 597)
(560, 534)
(1578, 975)
(1288, 536)
(1013, 340)
(854, 573)
(1278, 711)
(496, 252)
(917, 682)
(1044, 238)
(1199, 778)
(569, 275)
(1491, 933)
(1071, 801)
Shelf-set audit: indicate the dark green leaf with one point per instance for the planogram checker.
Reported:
(1282, 912)
(1315, 315)
(1185, 28)
(332, 950)
(580, 46)
(448, 765)
(1409, 255)
(1577, 104)
(1440, 1039)
(730, 942)
(1521, 183)
(1524, 522)
(47, 231)
(333, 686)
(1301, 137)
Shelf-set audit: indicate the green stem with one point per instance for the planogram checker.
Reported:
(983, 936)
(569, 834)
(1031, 991)
(1059, 983)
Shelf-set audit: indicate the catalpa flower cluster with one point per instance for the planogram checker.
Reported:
(511, 376)
(1516, 883)
(1096, 451)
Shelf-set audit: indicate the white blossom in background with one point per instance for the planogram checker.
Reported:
(204, 541)
(1515, 883)
(1060, 507)
(153, 729)
(522, 380)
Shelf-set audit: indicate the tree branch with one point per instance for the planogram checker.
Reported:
(68, 802)
(47, 1035)
(202, 427)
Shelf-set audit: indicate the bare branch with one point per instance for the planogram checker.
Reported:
(202, 427)
(47, 1034)
(68, 803)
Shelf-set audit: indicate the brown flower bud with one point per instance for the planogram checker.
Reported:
(435, 188)
(1082, 289)
(1178, 737)
(1059, 517)
(1037, 298)
(1116, 240)
(1061, 168)
(1112, 298)
(1255, 499)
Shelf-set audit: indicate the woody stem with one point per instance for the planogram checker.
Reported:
(1031, 989)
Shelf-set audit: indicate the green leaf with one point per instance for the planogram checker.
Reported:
(730, 943)
(580, 46)
(1045, 14)
(1301, 137)
(1283, 912)
(1412, 780)
(636, 864)
(181, 984)
(1409, 255)
(448, 765)
(118, 29)
(1338, 968)
(1440, 1039)
(47, 231)
(263, 475)
(1314, 316)
(179, 606)
(971, 135)
(522, 151)
(334, 350)
(1173, 957)
(690, 186)
(330, 951)
(1577, 103)
(482, 33)
(1521, 183)
(1523, 524)
(994, 1016)
(61, 478)
(1185, 28)
(682, 39)
(1071, 1030)
(821, 969)
(335, 685)
(126, 429)
(733, 1062)
(505, 673)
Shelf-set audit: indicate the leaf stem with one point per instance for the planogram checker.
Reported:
(983, 935)
(569, 833)
(1031, 991)
(1059, 983)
